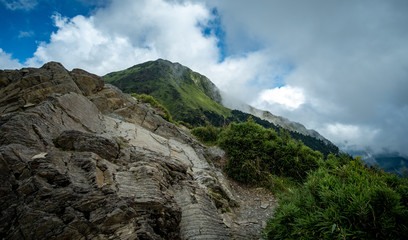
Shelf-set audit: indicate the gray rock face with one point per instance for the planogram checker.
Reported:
(80, 160)
(86, 142)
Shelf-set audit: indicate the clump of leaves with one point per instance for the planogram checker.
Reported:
(343, 200)
(163, 112)
(208, 134)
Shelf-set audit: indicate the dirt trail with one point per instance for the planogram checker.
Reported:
(256, 205)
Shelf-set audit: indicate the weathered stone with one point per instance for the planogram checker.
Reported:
(32, 86)
(87, 82)
(85, 142)
(264, 204)
(81, 160)
(199, 215)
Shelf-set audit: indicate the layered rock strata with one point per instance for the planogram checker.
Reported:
(81, 160)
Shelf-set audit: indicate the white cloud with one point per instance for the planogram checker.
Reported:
(127, 33)
(130, 32)
(7, 61)
(349, 136)
(78, 44)
(236, 74)
(20, 4)
(289, 97)
(25, 34)
(350, 60)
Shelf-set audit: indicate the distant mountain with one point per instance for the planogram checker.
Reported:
(287, 124)
(189, 96)
(392, 162)
(192, 98)
(323, 146)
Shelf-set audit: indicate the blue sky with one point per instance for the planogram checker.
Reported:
(336, 66)
(24, 25)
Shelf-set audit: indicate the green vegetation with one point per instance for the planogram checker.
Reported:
(260, 156)
(321, 195)
(343, 200)
(255, 152)
(192, 99)
(189, 96)
(335, 198)
(163, 112)
(208, 134)
(313, 143)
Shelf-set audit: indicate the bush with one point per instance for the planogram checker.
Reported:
(208, 134)
(163, 112)
(247, 146)
(343, 200)
(255, 152)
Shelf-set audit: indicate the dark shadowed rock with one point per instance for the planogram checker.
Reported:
(86, 142)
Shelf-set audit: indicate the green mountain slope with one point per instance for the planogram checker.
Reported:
(194, 99)
(189, 96)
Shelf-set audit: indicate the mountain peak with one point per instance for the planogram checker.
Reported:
(188, 95)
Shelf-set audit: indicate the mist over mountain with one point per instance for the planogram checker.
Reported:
(392, 162)
(193, 99)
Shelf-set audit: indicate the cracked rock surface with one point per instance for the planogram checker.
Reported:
(81, 160)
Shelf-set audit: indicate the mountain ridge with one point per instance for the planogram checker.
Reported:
(162, 78)
(173, 84)
(286, 123)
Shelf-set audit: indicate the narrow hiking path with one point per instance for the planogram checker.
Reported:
(255, 207)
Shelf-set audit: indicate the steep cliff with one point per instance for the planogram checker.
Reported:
(81, 160)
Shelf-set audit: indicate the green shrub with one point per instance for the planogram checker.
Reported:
(187, 125)
(255, 152)
(208, 134)
(247, 145)
(163, 112)
(343, 200)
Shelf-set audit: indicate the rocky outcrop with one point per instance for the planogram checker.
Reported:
(81, 160)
